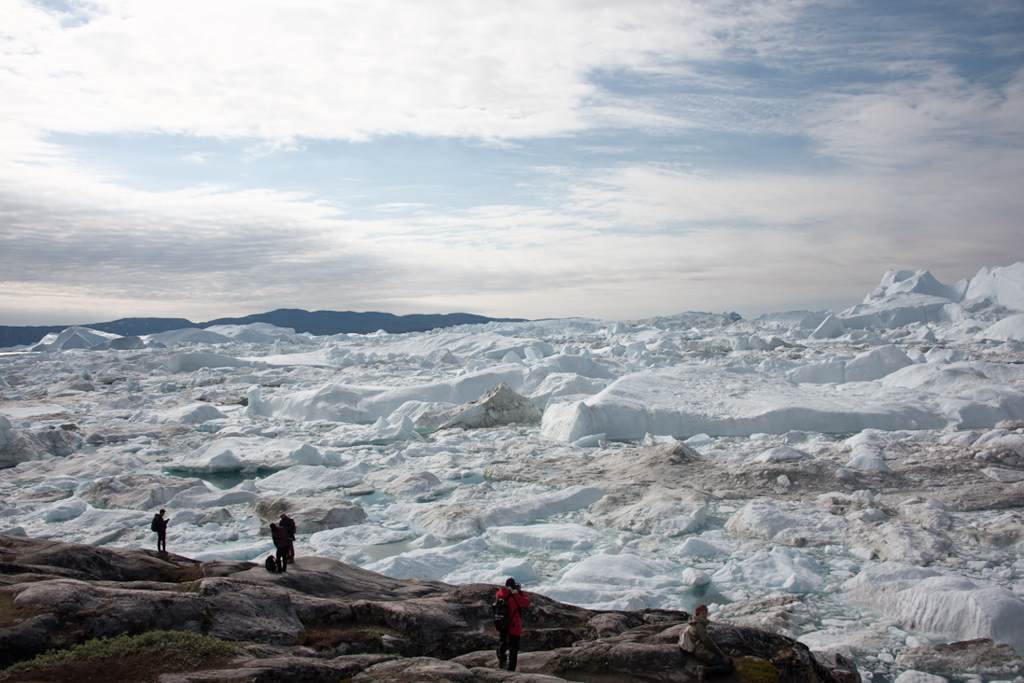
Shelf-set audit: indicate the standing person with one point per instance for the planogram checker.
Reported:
(283, 543)
(159, 525)
(288, 524)
(508, 638)
(714, 662)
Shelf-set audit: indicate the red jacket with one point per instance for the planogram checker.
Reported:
(516, 602)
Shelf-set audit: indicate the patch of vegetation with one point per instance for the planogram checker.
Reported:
(174, 650)
(757, 671)
(594, 664)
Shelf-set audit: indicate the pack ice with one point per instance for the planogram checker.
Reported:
(851, 478)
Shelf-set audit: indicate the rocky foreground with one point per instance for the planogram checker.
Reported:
(328, 621)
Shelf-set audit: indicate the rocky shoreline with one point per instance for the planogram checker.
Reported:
(325, 620)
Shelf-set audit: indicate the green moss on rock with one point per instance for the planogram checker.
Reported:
(757, 671)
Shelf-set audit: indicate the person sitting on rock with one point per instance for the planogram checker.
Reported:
(288, 524)
(283, 543)
(508, 639)
(159, 525)
(714, 662)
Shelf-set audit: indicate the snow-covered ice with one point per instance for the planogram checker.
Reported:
(850, 478)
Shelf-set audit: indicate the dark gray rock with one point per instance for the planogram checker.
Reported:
(93, 611)
(458, 621)
(88, 562)
(243, 611)
(415, 630)
(611, 624)
(283, 670)
(215, 568)
(29, 638)
(327, 578)
(415, 669)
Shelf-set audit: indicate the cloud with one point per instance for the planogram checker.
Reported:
(345, 70)
(657, 156)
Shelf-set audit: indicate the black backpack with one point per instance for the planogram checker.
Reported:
(502, 614)
(271, 564)
(156, 524)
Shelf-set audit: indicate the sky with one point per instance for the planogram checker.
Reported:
(528, 159)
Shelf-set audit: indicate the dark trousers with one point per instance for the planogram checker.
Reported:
(718, 667)
(282, 557)
(509, 642)
(161, 541)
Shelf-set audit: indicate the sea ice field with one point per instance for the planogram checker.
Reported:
(854, 480)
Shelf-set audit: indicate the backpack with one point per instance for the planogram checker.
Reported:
(271, 564)
(686, 642)
(502, 614)
(155, 524)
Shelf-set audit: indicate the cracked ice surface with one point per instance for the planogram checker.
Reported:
(854, 479)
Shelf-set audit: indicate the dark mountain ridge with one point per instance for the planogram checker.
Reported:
(317, 322)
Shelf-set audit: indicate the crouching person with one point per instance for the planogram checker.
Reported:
(695, 640)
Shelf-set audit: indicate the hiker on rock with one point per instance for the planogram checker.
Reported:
(695, 640)
(508, 607)
(283, 543)
(288, 524)
(159, 525)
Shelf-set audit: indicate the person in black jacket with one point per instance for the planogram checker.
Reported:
(288, 524)
(159, 525)
(283, 543)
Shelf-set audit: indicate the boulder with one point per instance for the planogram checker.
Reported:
(284, 670)
(100, 612)
(27, 639)
(416, 669)
(88, 563)
(244, 612)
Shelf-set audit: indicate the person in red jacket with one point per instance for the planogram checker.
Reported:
(509, 639)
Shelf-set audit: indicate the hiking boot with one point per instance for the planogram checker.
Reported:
(501, 662)
(702, 674)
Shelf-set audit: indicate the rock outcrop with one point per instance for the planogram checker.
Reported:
(324, 620)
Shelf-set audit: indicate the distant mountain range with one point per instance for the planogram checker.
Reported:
(317, 322)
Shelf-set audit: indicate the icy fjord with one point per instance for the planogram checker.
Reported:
(854, 480)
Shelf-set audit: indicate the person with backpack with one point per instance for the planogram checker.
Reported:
(283, 543)
(288, 524)
(159, 525)
(696, 641)
(508, 608)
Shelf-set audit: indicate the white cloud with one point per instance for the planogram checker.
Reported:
(337, 70)
(922, 161)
